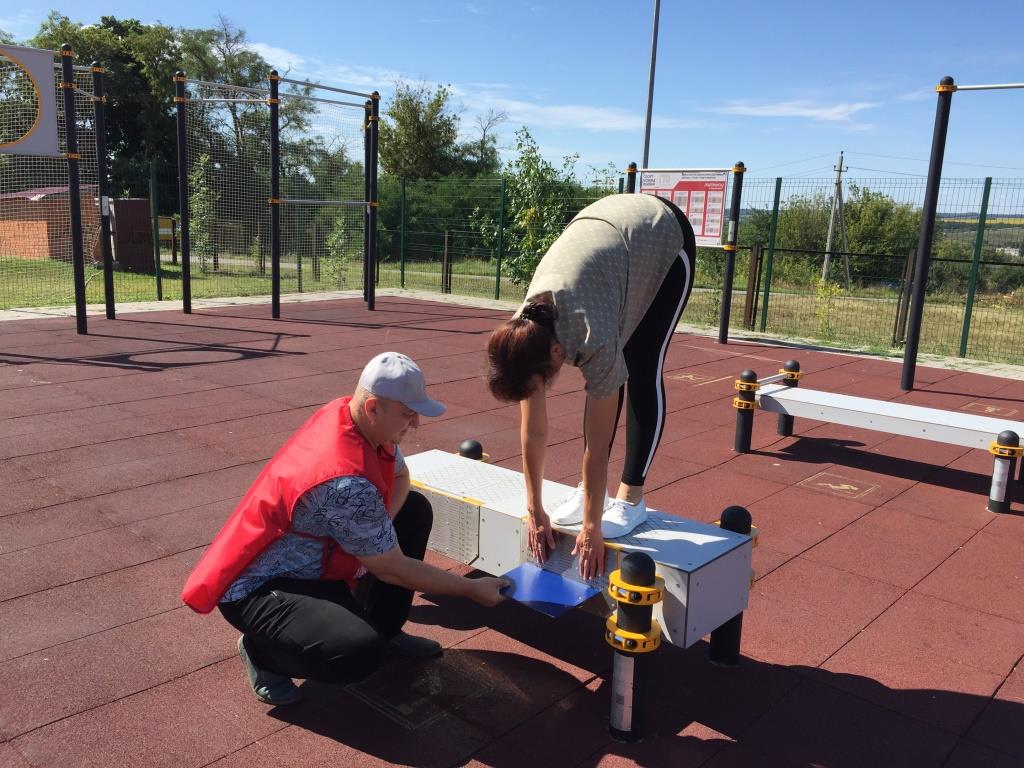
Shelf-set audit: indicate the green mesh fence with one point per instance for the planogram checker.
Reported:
(856, 293)
(35, 221)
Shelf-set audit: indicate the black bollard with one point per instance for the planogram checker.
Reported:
(725, 641)
(471, 449)
(631, 632)
(745, 403)
(1006, 449)
(792, 370)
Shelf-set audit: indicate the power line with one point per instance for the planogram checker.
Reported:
(807, 174)
(882, 170)
(794, 162)
(948, 162)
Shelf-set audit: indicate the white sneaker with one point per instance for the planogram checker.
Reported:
(570, 510)
(620, 517)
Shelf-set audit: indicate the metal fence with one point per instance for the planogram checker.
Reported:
(35, 241)
(856, 295)
(463, 236)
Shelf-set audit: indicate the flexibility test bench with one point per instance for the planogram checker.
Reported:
(781, 394)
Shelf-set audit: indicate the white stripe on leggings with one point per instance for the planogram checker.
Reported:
(659, 382)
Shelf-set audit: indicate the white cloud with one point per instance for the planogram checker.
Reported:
(23, 24)
(922, 94)
(835, 113)
(279, 58)
(572, 116)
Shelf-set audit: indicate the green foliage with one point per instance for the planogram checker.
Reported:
(419, 136)
(539, 203)
(344, 245)
(138, 62)
(826, 292)
(419, 132)
(202, 208)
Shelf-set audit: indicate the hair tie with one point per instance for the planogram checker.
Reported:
(540, 314)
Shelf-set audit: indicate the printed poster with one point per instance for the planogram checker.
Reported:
(698, 194)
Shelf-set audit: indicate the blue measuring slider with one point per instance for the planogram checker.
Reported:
(549, 593)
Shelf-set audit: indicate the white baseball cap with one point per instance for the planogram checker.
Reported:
(394, 376)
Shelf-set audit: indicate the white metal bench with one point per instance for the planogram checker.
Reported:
(781, 395)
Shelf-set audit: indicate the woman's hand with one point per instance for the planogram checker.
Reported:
(542, 538)
(590, 549)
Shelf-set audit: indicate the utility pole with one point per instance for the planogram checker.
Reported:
(650, 84)
(835, 217)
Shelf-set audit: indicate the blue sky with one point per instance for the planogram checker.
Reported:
(782, 86)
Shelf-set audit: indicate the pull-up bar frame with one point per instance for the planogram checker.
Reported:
(946, 88)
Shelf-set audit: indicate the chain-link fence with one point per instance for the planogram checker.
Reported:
(322, 186)
(35, 224)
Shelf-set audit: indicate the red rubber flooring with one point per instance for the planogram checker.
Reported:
(886, 626)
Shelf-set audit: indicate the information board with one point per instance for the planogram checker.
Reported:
(700, 194)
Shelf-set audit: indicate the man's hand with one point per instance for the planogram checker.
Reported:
(542, 537)
(487, 590)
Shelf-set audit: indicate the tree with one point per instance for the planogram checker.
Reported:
(479, 155)
(138, 62)
(541, 199)
(419, 133)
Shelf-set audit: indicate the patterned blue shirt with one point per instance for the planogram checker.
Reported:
(349, 510)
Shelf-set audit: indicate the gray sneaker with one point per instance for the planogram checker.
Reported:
(269, 687)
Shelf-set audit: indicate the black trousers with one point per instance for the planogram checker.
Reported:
(644, 351)
(321, 630)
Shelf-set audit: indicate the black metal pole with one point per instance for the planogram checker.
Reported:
(725, 641)
(632, 633)
(945, 89)
(372, 224)
(650, 82)
(1006, 449)
(275, 195)
(186, 246)
(631, 179)
(67, 61)
(103, 187)
(730, 253)
(367, 114)
(785, 423)
(744, 402)
(154, 212)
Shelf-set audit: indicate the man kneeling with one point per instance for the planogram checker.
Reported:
(317, 565)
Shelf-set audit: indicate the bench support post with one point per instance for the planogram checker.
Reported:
(745, 402)
(792, 370)
(725, 641)
(1006, 450)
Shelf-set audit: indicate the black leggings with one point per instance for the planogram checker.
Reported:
(320, 630)
(645, 361)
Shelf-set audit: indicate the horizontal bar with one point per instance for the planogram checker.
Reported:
(684, 170)
(326, 87)
(228, 86)
(58, 65)
(303, 201)
(325, 101)
(231, 101)
(772, 379)
(1001, 86)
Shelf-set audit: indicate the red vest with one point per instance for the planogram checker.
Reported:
(328, 445)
